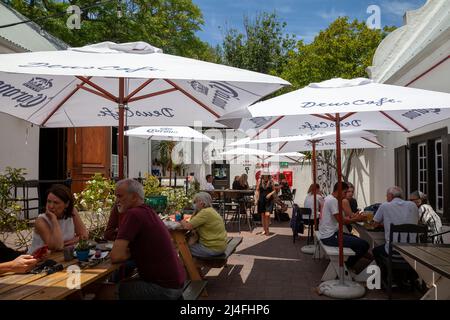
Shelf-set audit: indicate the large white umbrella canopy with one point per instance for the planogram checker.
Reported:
(168, 133)
(337, 100)
(350, 139)
(253, 156)
(366, 105)
(133, 84)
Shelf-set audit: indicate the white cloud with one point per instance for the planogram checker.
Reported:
(331, 15)
(397, 8)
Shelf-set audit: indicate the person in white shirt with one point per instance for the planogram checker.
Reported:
(209, 183)
(329, 226)
(309, 200)
(395, 211)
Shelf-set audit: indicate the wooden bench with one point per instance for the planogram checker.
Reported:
(193, 289)
(332, 253)
(220, 261)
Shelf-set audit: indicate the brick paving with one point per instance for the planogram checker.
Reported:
(274, 268)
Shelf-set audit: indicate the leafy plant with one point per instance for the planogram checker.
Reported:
(96, 200)
(151, 186)
(11, 222)
(82, 245)
(177, 199)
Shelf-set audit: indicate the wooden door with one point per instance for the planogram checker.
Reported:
(88, 152)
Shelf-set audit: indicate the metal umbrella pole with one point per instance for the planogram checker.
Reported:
(341, 289)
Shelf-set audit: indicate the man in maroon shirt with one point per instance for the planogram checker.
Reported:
(144, 238)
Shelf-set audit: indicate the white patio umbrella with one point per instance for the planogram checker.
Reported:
(108, 84)
(350, 139)
(168, 133)
(337, 101)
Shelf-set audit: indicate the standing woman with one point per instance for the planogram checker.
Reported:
(264, 195)
(60, 225)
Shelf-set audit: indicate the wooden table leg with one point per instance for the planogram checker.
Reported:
(179, 236)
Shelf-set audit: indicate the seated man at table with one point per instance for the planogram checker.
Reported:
(13, 261)
(329, 226)
(209, 183)
(144, 238)
(210, 228)
(396, 211)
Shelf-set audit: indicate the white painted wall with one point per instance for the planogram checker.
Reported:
(19, 148)
(138, 156)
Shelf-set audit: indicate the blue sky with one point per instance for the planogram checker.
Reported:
(304, 18)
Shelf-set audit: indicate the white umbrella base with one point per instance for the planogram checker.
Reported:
(336, 289)
(310, 249)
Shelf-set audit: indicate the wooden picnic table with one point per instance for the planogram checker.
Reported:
(54, 286)
(432, 264)
(179, 237)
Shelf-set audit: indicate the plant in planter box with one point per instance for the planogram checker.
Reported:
(12, 224)
(96, 200)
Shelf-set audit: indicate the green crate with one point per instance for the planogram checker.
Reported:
(158, 203)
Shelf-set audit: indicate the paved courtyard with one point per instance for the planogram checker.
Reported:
(274, 268)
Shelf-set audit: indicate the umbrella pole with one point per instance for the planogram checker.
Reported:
(310, 249)
(314, 169)
(340, 288)
(339, 173)
(121, 126)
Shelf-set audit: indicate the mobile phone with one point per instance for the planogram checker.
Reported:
(40, 252)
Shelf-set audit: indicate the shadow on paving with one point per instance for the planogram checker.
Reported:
(274, 268)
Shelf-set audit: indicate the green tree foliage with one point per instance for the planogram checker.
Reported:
(345, 49)
(263, 48)
(167, 24)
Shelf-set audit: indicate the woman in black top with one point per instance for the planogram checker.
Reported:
(265, 198)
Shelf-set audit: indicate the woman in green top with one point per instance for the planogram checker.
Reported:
(209, 226)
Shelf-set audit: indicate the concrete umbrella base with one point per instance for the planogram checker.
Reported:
(309, 249)
(338, 290)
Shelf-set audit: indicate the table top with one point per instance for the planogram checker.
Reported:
(434, 256)
(50, 287)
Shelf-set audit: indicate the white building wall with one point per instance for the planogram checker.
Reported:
(139, 157)
(19, 143)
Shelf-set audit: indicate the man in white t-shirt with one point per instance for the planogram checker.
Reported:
(395, 211)
(209, 180)
(329, 227)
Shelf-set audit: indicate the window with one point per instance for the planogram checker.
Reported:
(439, 177)
(115, 165)
(422, 169)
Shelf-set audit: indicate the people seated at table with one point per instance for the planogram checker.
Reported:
(242, 183)
(143, 238)
(13, 261)
(427, 215)
(264, 197)
(286, 193)
(209, 226)
(209, 183)
(349, 205)
(61, 224)
(353, 203)
(280, 206)
(329, 227)
(395, 211)
(309, 200)
(235, 184)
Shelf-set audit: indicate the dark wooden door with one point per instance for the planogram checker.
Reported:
(88, 152)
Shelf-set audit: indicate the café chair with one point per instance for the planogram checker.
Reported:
(402, 233)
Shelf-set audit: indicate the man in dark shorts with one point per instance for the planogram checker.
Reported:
(144, 238)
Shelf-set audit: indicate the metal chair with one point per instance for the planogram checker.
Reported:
(404, 233)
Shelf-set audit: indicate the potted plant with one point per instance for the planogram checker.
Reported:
(82, 250)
